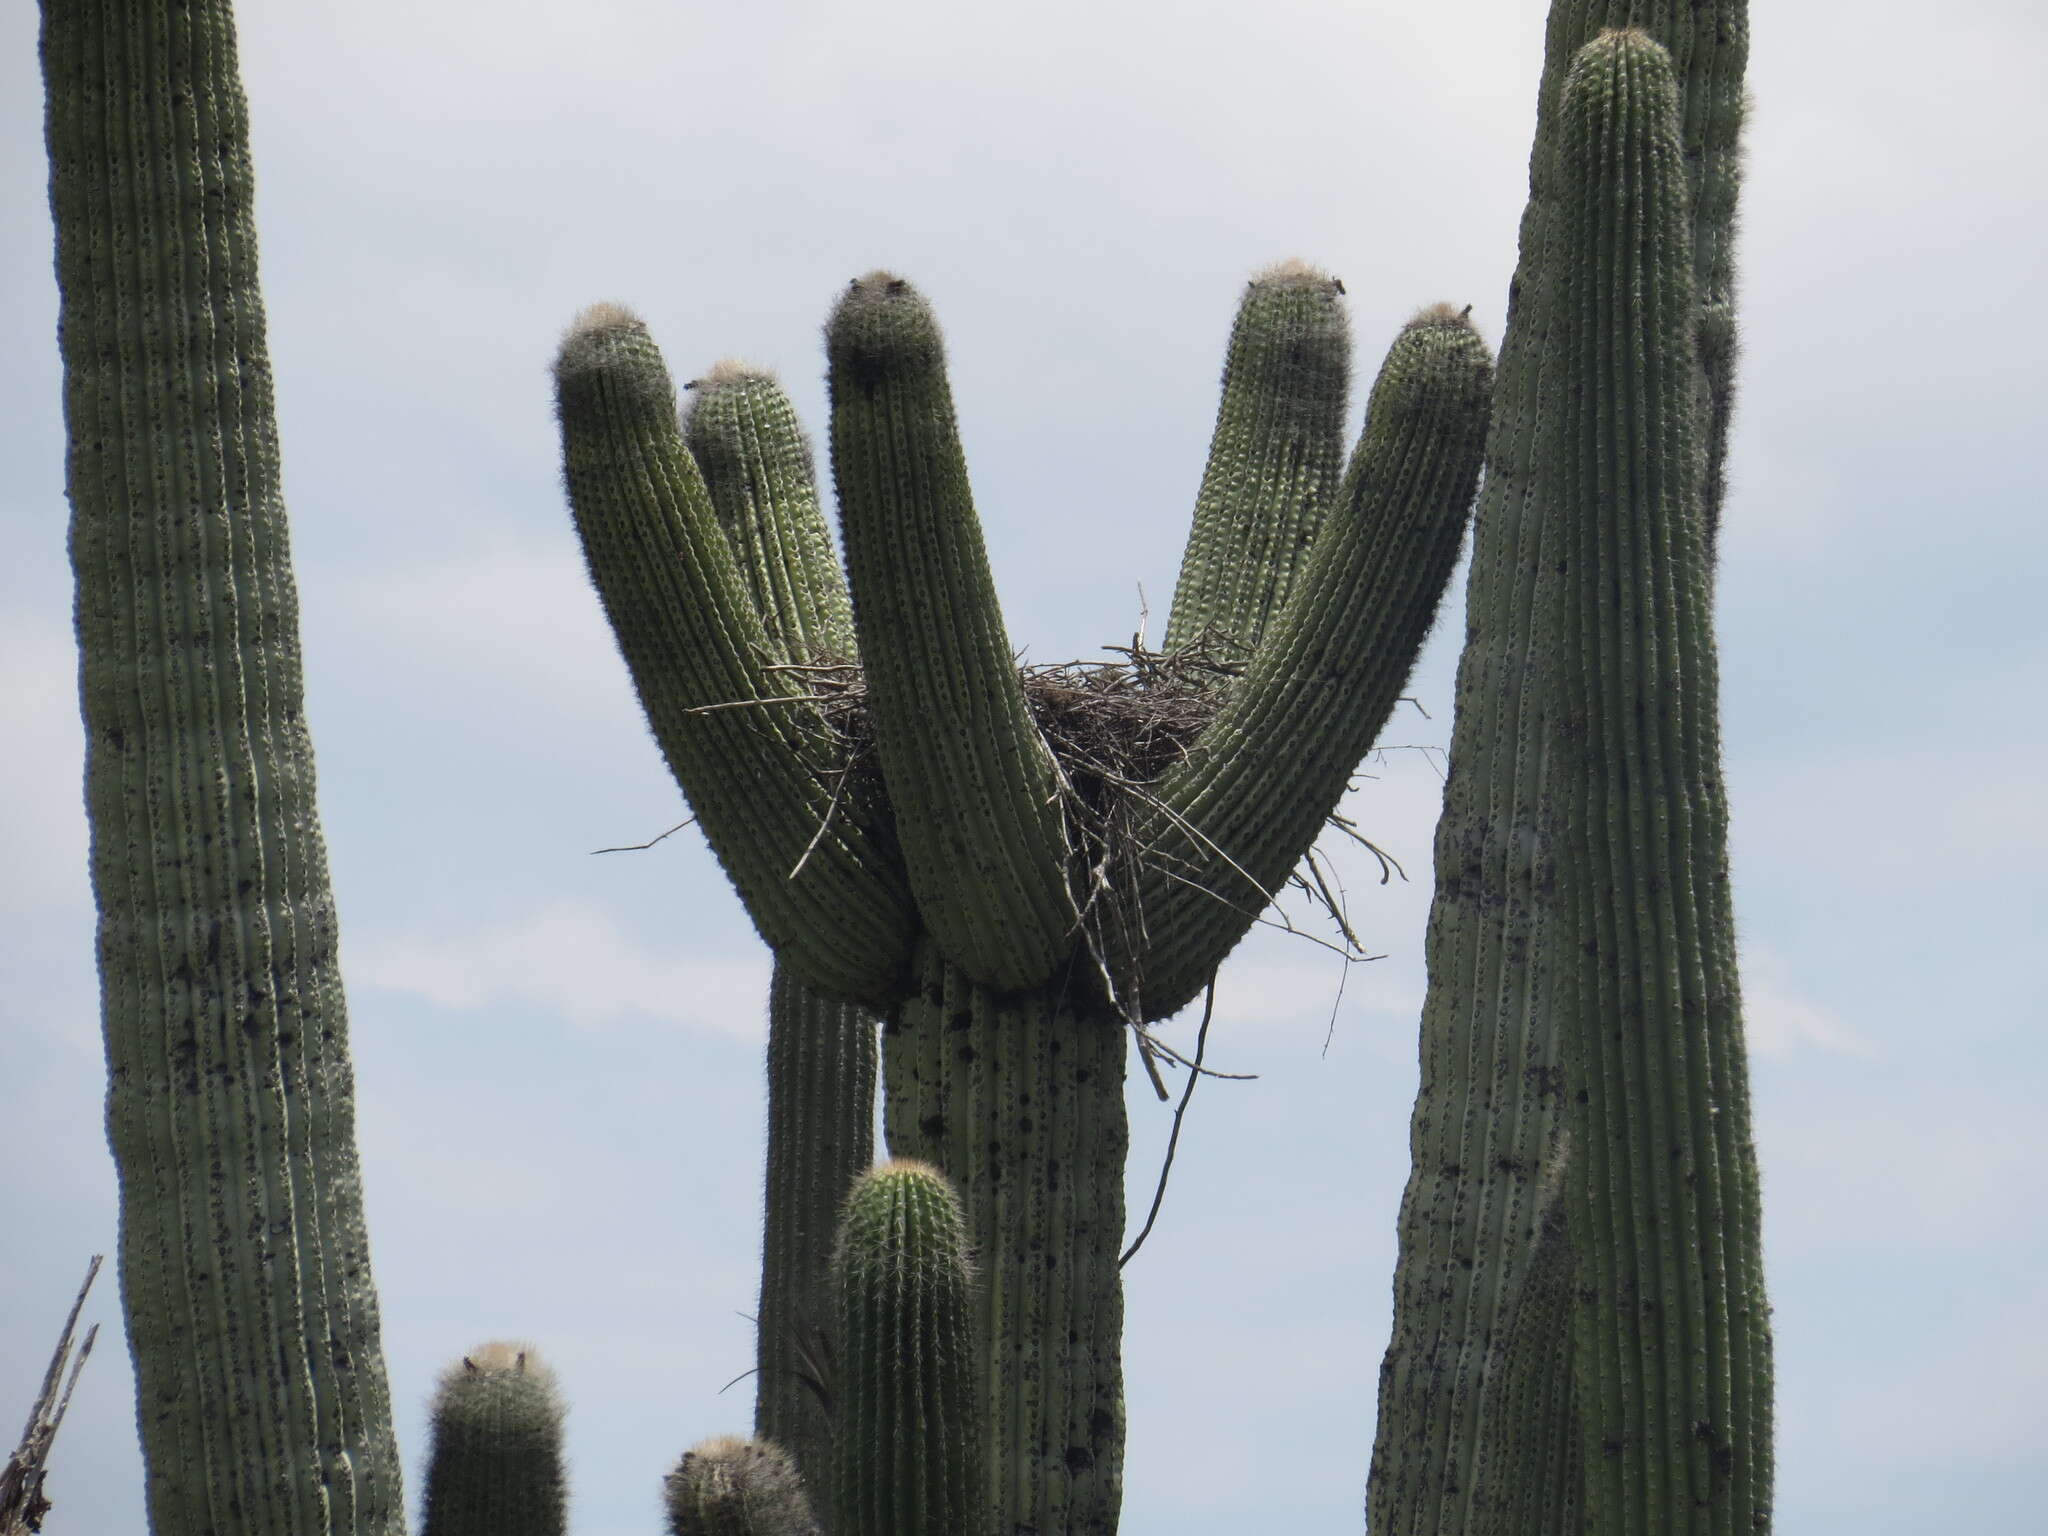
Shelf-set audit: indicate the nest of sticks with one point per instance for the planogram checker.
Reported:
(1114, 728)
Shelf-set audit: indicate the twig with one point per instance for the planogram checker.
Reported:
(641, 847)
(1173, 1138)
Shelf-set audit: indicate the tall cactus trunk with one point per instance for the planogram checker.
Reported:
(1507, 1030)
(244, 1266)
(1019, 1097)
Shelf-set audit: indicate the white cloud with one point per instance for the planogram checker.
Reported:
(574, 960)
(1782, 1020)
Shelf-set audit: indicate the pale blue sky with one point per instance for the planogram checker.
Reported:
(558, 1055)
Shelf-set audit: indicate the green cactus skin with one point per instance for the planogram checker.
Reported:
(1275, 458)
(1020, 1098)
(823, 885)
(728, 1486)
(1497, 1063)
(262, 1400)
(748, 445)
(1673, 1356)
(1273, 765)
(743, 434)
(973, 783)
(822, 1058)
(495, 1468)
(1003, 1054)
(908, 1441)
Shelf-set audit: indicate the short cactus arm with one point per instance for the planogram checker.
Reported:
(819, 879)
(743, 432)
(908, 1455)
(252, 1320)
(727, 1486)
(495, 1465)
(1275, 459)
(1235, 817)
(971, 779)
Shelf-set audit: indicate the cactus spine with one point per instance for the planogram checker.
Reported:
(728, 1486)
(908, 1452)
(1589, 633)
(244, 1266)
(949, 889)
(495, 1468)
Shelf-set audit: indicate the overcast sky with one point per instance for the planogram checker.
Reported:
(558, 1056)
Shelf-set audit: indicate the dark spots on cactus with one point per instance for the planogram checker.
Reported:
(960, 1019)
(1610, 1447)
(1510, 1165)
(1101, 1424)
(1080, 1459)
(1026, 1125)
(933, 1126)
(1451, 1171)
(965, 1055)
(1703, 1429)
(1582, 1097)
(1545, 1080)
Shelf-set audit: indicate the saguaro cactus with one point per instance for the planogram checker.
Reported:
(908, 1439)
(495, 1468)
(727, 1486)
(955, 888)
(244, 1268)
(1582, 992)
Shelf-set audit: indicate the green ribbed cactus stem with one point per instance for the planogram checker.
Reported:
(1494, 1100)
(1275, 458)
(972, 781)
(495, 1467)
(1020, 1099)
(252, 1320)
(729, 1486)
(1224, 828)
(822, 884)
(1529, 1461)
(742, 430)
(1673, 1346)
(822, 1057)
(908, 1452)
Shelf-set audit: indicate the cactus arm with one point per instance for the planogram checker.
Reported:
(743, 433)
(1019, 1098)
(908, 1453)
(760, 776)
(495, 1466)
(263, 1404)
(1237, 815)
(1673, 1350)
(972, 782)
(728, 1486)
(822, 1057)
(1275, 459)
